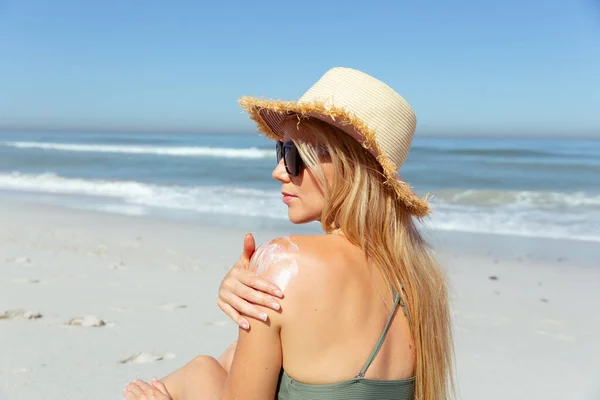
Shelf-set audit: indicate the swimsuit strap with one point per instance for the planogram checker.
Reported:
(397, 301)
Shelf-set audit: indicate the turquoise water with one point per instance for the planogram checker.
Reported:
(531, 187)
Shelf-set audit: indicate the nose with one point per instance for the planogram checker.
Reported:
(280, 174)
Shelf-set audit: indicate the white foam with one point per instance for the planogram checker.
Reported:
(248, 153)
(125, 209)
(204, 199)
(521, 198)
(525, 213)
(514, 225)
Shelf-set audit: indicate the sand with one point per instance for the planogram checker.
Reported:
(89, 301)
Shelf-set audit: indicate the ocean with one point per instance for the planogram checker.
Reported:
(523, 187)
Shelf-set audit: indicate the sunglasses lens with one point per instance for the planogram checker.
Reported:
(292, 159)
(279, 150)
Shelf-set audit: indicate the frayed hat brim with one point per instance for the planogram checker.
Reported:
(269, 115)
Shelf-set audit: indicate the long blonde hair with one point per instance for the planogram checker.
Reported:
(371, 217)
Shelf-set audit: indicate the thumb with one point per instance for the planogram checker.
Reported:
(160, 386)
(249, 246)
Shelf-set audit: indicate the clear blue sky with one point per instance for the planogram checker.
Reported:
(466, 66)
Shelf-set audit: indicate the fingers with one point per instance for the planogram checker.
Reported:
(243, 307)
(130, 395)
(250, 287)
(133, 391)
(249, 246)
(140, 390)
(160, 386)
(246, 292)
(233, 314)
(146, 388)
(258, 283)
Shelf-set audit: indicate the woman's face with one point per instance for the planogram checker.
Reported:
(302, 194)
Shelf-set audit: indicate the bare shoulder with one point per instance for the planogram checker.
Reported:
(304, 264)
(309, 250)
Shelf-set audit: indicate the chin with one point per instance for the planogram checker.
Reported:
(298, 217)
(294, 219)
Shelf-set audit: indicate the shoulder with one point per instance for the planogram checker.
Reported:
(277, 251)
(303, 266)
(308, 253)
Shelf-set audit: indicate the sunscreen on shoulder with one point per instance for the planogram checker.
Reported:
(277, 261)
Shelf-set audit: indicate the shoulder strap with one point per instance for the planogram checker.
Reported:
(397, 301)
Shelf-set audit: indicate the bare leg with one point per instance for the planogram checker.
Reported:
(203, 377)
(227, 357)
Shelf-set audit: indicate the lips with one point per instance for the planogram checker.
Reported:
(287, 197)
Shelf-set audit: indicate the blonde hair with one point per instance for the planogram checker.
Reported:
(373, 218)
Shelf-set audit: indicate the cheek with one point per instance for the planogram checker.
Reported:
(312, 193)
(311, 202)
(310, 184)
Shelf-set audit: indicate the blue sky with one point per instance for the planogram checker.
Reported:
(479, 67)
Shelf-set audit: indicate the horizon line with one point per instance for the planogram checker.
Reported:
(467, 133)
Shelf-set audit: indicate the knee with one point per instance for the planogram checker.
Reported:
(201, 375)
(203, 360)
(206, 365)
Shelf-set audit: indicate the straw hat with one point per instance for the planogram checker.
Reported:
(363, 107)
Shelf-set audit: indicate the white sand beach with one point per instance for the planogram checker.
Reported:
(106, 299)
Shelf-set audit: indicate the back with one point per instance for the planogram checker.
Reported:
(333, 314)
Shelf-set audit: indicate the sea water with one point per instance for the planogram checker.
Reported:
(529, 187)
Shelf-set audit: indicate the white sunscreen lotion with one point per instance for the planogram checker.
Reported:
(278, 261)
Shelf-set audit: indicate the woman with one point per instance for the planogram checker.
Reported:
(364, 313)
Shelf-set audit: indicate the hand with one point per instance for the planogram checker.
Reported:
(241, 290)
(140, 390)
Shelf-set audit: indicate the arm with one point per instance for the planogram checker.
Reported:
(258, 358)
(257, 362)
(242, 291)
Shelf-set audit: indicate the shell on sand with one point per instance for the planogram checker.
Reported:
(19, 260)
(87, 321)
(25, 280)
(19, 313)
(172, 306)
(145, 358)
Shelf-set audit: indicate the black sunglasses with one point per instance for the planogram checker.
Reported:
(291, 158)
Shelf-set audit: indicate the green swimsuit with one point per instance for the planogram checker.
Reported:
(358, 388)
